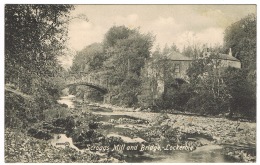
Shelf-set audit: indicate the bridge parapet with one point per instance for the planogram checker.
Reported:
(95, 79)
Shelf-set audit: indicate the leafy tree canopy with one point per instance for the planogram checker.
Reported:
(34, 38)
(241, 38)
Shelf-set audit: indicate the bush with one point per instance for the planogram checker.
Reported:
(20, 111)
(242, 93)
(56, 112)
(176, 97)
(68, 123)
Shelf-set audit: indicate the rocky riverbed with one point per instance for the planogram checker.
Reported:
(101, 133)
(237, 138)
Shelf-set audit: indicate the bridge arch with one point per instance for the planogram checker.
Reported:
(103, 90)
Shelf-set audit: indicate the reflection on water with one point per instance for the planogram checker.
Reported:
(67, 100)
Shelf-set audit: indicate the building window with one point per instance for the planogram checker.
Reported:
(177, 68)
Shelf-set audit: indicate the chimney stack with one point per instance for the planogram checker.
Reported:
(230, 52)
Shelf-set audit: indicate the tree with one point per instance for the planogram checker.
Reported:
(34, 38)
(160, 89)
(210, 94)
(149, 80)
(192, 51)
(242, 100)
(241, 38)
(173, 48)
(126, 50)
(118, 59)
(89, 59)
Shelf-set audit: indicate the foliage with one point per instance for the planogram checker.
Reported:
(160, 88)
(14, 110)
(20, 112)
(170, 49)
(176, 97)
(191, 51)
(19, 148)
(242, 98)
(34, 38)
(118, 59)
(241, 38)
(149, 79)
(89, 59)
(55, 112)
(84, 92)
(126, 50)
(135, 78)
(218, 90)
(210, 95)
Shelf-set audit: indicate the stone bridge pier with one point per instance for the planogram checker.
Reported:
(107, 98)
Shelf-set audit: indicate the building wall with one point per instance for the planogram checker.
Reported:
(183, 67)
(226, 63)
(165, 71)
(158, 73)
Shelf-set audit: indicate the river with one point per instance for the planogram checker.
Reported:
(210, 153)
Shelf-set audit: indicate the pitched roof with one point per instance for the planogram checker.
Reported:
(176, 56)
(224, 56)
(227, 57)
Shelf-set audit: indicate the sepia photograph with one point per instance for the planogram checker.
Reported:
(130, 83)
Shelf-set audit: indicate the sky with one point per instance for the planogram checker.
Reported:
(180, 24)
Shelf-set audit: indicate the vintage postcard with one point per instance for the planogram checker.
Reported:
(130, 83)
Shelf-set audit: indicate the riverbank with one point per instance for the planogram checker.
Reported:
(105, 125)
(21, 148)
(223, 131)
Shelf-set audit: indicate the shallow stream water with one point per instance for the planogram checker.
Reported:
(209, 153)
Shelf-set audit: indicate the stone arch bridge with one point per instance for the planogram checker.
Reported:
(95, 81)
